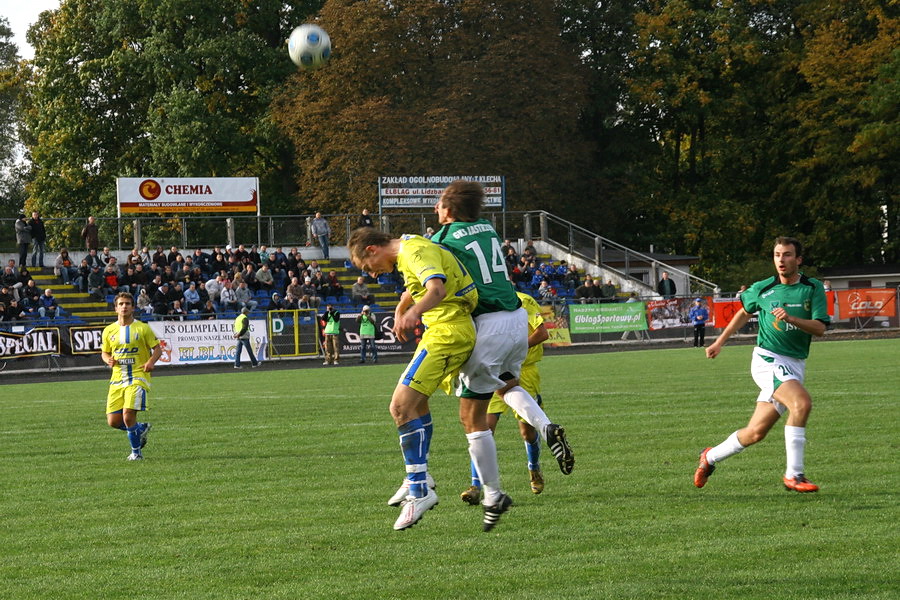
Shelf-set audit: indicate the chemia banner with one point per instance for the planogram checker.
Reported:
(607, 318)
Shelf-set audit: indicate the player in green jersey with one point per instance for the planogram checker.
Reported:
(441, 293)
(501, 324)
(792, 308)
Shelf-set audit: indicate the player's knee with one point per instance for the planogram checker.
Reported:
(752, 435)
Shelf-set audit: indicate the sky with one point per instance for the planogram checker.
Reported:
(21, 15)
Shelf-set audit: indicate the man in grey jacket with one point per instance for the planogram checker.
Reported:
(23, 239)
(320, 228)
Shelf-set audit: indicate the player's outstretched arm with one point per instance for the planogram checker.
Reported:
(739, 319)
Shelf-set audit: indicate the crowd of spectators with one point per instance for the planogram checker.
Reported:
(174, 285)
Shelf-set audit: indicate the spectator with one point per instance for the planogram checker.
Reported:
(32, 306)
(218, 264)
(209, 310)
(127, 280)
(202, 293)
(6, 295)
(38, 237)
(666, 287)
(698, 316)
(294, 288)
(290, 303)
(144, 305)
(572, 279)
(81, 280)
(588, 292)
(161, 299)
(320, 283)
(177, 313)
(15, 310)
(96, 283)
(11, 280)
(309, 292)
(365, 220)
(227, 299)
(367, 328)
(313, 268)
(607, 292)
(263, 254)
(112, 281)
(30, 290)
(23, 238)
(254, 257)
(512, 260)
(214, 288)
(139, 279)
(333, 286)
(173, 256)
(321, 231)
(331, 326)
(277, 302)
(146, 257)
(106, 256)
(192, 302)
(159, 257)
(201, 259)
(360, 292)
(244, 297)
(248, 276)
(91, 234)
(264, 279)
(48, 307)
(546, 291)
(133, 258)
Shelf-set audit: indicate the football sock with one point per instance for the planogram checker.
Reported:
(476, 481)
(729, 447)
(533, 451)
(794, 445)
(134, 437)
(483, 451)
(412, 442)
(525, 406)
(428, 426)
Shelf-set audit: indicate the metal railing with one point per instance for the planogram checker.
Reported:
(287, 231)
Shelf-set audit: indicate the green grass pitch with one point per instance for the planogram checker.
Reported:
(273, 484)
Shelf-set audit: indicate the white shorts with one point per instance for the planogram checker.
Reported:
(769, 370)
(501, 344)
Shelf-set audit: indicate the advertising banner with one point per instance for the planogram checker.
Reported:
(607, 318)
(384, 323)
(424, 191)
(155, 195)
(674, 312)
(867, 302)
(725, 310)
(205, 342)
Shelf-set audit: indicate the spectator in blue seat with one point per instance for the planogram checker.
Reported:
(333, 285)
(227, 299)
(244, 297)
(48, 308)
(31, 305)
(538, 278)
(192, 303)
(572, 279)
(265, 281)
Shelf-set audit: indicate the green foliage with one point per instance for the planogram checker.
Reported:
(273, 483)
(157, 89)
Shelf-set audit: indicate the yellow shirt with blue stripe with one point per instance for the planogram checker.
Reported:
(418, 261)
(132, 346)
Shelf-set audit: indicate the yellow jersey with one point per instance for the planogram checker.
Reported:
(418, 261)
(535, 320)
(131, 346)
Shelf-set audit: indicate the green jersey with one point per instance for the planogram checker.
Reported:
(477, 246)
(805, 299)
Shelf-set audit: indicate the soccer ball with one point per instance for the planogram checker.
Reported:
(309, 46)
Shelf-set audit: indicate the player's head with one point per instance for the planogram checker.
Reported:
(369, 250)
(787, 255)
(123, 297)
(461, 201)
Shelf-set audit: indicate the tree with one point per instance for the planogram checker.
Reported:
(11, 184)
(123, 88)
(439, 88)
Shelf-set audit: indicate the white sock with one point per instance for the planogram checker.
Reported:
(794, 445)
(483, 451)
(526, 407)
(729, 447)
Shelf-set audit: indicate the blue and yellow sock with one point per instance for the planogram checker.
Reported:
(134, 438)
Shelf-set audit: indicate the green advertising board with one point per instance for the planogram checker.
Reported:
(607, 318)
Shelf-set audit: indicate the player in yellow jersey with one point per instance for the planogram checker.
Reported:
(131, 349)
(530, 379)
(441, 293)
